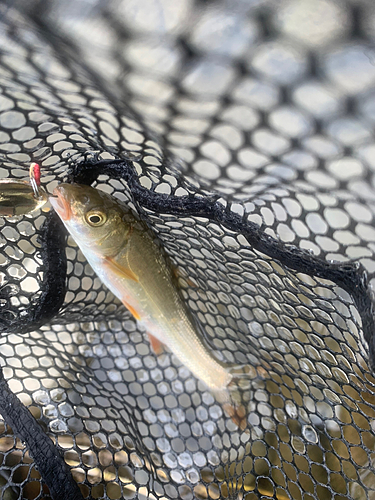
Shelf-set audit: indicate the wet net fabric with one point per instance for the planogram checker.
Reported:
(242, 133)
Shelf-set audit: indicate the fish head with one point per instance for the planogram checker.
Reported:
(94, 219)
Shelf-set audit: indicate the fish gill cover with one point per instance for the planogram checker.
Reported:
(242, 132)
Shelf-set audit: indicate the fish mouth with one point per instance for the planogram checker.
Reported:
(61, 204)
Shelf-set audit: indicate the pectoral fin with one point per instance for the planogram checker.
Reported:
(156, 346)
(119, 270)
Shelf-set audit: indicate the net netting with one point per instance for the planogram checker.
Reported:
(242, 132)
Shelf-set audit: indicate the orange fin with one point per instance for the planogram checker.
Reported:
(156, 345)
(132, 310)
(119, 270)
(237, 414)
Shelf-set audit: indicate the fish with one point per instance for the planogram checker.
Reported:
(128, 258)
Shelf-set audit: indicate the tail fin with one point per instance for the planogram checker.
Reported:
(237, 413)
(235, 397)
(234, 408)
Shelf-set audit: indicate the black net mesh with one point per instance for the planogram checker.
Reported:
(242, 132)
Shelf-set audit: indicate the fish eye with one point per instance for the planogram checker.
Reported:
(95, 218)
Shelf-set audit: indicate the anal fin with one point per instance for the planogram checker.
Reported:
(156, 346)
(132, 310)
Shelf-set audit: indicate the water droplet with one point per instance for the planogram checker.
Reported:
(310, 434)
(41, 397)
(58, 426)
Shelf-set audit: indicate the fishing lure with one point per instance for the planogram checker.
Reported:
(20, 197)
